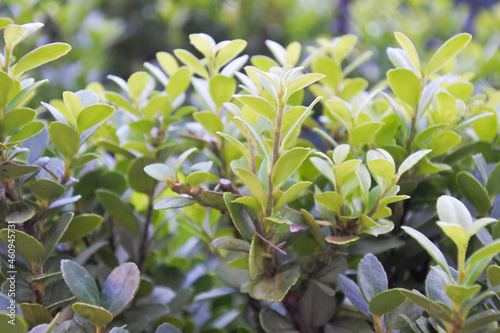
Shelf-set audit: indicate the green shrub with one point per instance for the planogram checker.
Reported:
(186, 202)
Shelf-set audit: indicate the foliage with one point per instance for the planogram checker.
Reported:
(207, 195)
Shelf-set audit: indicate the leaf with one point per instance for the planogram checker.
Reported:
(271, 321)
(287, 164)
(137, 178)
(364, 133)
(210, 121)
(254, 185)
(11, 170)
(258, 105)
(451, 210)
(411, 160)
(371, 277)
(229, 52)
(93, 115)
(115, 207)
(160, 172)
(473, 323)
(46, 189)
(474, 192)
(231, 244)
(55, 234)
(120, 288)
(302, 81)
(353, 293)
(340, 153)
(290, 194)
(331, 70)
(64, 138)
(195, 179)
(299, 122)
(182, 157)
(240, 217)
(236, 143)
(19, 327)
(324, 168)
(27, 131)
(222, 89)
(192, 62)
(459, 294)
(494, 275)
(16, 119)
(428, 94)
(386, 301)
(485, 252)
(443, 142)
(456, 232)
(167, 328)
(432, 249)
(25, 245)
(447, 52)
(409, 49)
(274, 288)
(341, 240)
(176, 201)
(35, 314)
(331, 200)
(80, 282)
(314, 228)
(138, 84)
(178, 83)
(39, 56)
(406, 85)
(493, 183)
(255, 258)
(382, 168)
(479, 224)
(429, 306)
(95, 314)
(316, 306)
(80, 226)
(435, 286)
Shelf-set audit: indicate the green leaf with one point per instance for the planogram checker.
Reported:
(178, 83)
(11, 170)
(451, 210)
(39, 56)
(55, 234)
(83, 159)
(386, 301)
(137, 178)
(80, 226)
(479, 224)
(222, 89)
(177, 201)
(20, 216)
(443, 142)
(255, 258)
(120, 288)
(287, 164)
(474, 323)
(137, 84)
(331, 200)
(16, 119)
(192, 62)
(240, 217)
(494, 275)
(93, 115)
(324, 168)
(254, 185)
(447, 52)
(493, 183)
(364, 133)
(195, 179)
(231, 244)
(406, 85)
(235, 142)
(447, 107)
(182, 157)
(298, 123)
(271, 321)
(7, 91)
(474, 192)
(64, 138)
(160, 172)
(382, 168)
(372, 279)
(331, 70)
(27, 131)
(459, 294)
(411, 160)
(429, 306)
(35, 314)
(274, 288)
(409, 49)
(485, 252)
(25, 245)
(345, 168)
(340, 153)
(258, 105)
(228, 52)
(19, 327)
(428, 94)
(432, 249)
(456, 232)
(291, 194)
(80, 282)
(301, 82)
(46, 189)
(95, 314)
(120, 212)
(210, 121)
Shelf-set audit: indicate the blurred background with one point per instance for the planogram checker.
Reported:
(118, 36)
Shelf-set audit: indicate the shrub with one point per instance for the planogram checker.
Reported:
(186, 202)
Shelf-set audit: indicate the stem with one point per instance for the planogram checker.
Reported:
(99, 329)
(144, 240)
(378, 324)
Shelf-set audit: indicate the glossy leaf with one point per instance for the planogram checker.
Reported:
(93, 115)
(64, 138)
(406, 85)
(97, 315)
(177, 201)
(40, 56)
(447, 52)
(80, 282)
(474, 192)
(386, 301)
(287, 164)
(25, 245)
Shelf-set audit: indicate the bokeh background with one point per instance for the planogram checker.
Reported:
(118, 36)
